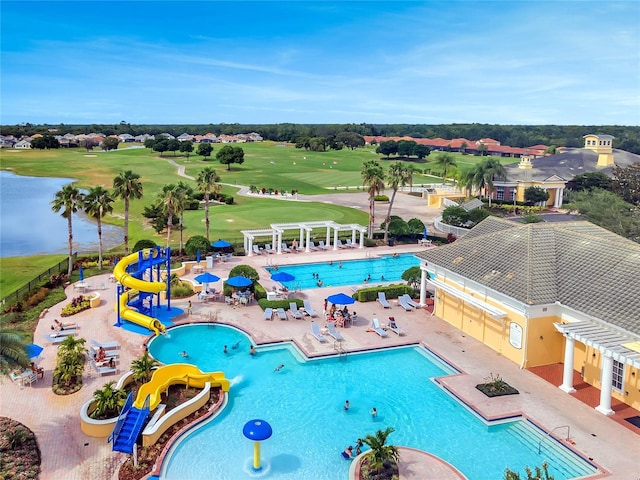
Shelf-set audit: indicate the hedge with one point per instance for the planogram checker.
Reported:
(390, 291)
(264, 303)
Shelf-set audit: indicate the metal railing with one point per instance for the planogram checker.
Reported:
(568, 437)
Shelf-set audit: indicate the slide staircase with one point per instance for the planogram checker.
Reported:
(129, 426)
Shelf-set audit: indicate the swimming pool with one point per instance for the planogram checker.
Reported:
(386, 268)
(303, 403)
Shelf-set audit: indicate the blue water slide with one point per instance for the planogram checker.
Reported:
(129, 426)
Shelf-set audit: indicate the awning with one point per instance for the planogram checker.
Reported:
(603, 339)
(466, 298)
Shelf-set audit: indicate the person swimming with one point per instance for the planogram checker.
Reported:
(279, 367)
(235, 345)
(184, 354)
(225, 350)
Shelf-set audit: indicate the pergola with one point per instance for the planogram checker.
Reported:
(304, 229)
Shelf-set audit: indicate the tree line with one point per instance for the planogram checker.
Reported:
(627, 137)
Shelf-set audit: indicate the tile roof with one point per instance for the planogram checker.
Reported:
(577, 264)
(568, 164)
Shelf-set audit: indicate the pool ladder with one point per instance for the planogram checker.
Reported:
(342, 352)
(549, 434)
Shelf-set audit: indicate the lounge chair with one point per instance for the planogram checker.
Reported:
(284, 247)
(32, 377)
(339, 244)
(395, 328)
(409, 301)
(350, 244)
(268, 249)
(403, 303)
(375, 324)
(307, 308)
(315, 331)
(333, 332)
(227, 257)
(106, 345)
(268, 314)
(58, 337)
(322, 246)
(293, 310)
(312, 246)
(282, 314)
(257, 250)
(382, 298)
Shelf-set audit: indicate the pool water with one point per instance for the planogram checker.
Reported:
(386, 268)
(304, 405)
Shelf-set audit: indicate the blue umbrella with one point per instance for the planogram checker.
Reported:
(33, 350)
(221, 244)
(424, 233)
(207, 278)
(81, 273)
(341, 299)
(239, 281)
(198, 256)
(282, 277)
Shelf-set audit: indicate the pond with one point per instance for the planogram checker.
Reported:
(30, 227)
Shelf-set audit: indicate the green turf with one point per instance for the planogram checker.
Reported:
(17, 271)
(267, 165)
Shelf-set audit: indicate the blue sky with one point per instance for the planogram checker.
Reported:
(516, 62)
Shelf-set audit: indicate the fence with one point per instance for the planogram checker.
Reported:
(15, 297)
(443, 227)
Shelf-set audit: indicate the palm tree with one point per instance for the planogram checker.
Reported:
(446, 162)
(71, 347)
(67, 200)
(126, 186)
(207, 181)
(143, 367)
(108, 401)
(96, 204)
(171, 200)
(397, 176)
(373, 179)
(13, 353)
(486, 172)
(184, 191)
(381, 454)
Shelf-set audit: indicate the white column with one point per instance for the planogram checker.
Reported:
(606, 378)
(567, 372)
(306, 244)
(335, 238)
(279, 247)
(274, 246)
(560, 196)
(361, 243)
(423, 287)
(353, 236)
(249, 247)
(327, 241)
(301, 241)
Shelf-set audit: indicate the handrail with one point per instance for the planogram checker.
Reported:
(123, 414)
(549, 434)
(142, 417)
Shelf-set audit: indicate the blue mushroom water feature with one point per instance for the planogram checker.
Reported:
(257, 430)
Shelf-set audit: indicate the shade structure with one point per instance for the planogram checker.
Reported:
(282, 277)
(341, 299)
(33, 350)
(81, 273)
(207, 278)
(220, 244)
(239, 281)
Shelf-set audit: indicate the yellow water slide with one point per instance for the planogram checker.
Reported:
(129, 281)
(178, 373)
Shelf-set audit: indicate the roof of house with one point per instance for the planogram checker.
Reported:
(568, 164)
(577, 264)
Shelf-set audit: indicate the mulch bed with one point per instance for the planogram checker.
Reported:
(19, 451)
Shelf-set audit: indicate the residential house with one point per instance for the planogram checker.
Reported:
(546, 293)
(22, 144)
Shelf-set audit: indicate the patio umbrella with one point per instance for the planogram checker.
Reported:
(282, 277)
(424, 233)
(33, 350)
(81, 273)
(341, 299)
(239, 281)
(207, 278)
(220, 244)
(198, 256)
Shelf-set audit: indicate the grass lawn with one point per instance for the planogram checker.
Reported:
(267, 165)
(17, 271)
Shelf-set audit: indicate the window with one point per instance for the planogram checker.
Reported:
(618, 375)
(500, 193)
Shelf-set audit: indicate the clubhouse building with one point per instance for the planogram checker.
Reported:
(546, 293)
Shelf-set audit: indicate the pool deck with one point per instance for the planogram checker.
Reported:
(69, 454)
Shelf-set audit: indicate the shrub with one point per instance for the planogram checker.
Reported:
(228, 200)
(477, 215)
(451, 238)
(390, 291)
(182, 290)
(264, 303)
(456, 216)
(77, 305)
(195, 243)
(381, 198)
(142, 244)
